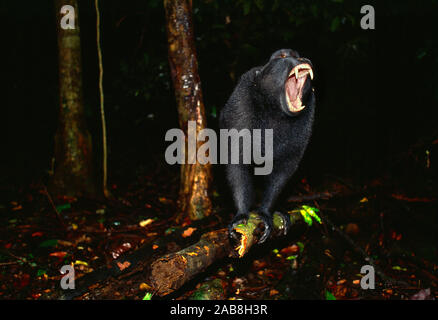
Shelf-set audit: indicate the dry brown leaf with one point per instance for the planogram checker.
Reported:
(188, 232)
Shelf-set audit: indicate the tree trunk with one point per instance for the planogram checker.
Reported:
(194, 201)
(74, 174)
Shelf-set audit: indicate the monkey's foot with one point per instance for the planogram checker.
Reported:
(285, 223)
(238, 219)
(266, 219)
(267, 222)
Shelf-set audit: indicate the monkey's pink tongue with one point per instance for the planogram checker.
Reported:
(292, 89)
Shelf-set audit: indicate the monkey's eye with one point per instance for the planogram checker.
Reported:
(283, 55)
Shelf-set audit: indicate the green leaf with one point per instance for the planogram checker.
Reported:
(306, 217)
(329, 295)
(41, 272)
(148, 296)
(398, 268)
(308, 213)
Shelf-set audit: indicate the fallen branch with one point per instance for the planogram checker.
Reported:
(103, 279)
(172, 271)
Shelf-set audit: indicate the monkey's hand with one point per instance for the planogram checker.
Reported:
(264, 217)
(241, 218)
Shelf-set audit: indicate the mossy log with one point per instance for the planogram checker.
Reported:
(172, 271)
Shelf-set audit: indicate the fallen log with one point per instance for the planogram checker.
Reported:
(172, 271)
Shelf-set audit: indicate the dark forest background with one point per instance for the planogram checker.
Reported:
(371, 167)
(376, 89)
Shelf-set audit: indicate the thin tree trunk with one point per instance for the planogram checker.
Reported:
(74, 174)
(105, 190)
(194, 201)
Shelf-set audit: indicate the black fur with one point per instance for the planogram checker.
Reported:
(258, 102)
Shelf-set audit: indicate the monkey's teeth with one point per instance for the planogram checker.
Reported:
(289, 104)
(300, 105)
(306, 69)
(298, 109)
(311, 74)
(304, 74)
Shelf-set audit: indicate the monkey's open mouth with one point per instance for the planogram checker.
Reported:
(294, 86)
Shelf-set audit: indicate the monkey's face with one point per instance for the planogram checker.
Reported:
(287, 81)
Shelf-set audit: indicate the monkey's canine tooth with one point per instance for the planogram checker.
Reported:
(296, 71)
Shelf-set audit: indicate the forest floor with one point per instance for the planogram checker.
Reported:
(39, 234)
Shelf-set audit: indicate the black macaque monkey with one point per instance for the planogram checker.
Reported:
(278, 96)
